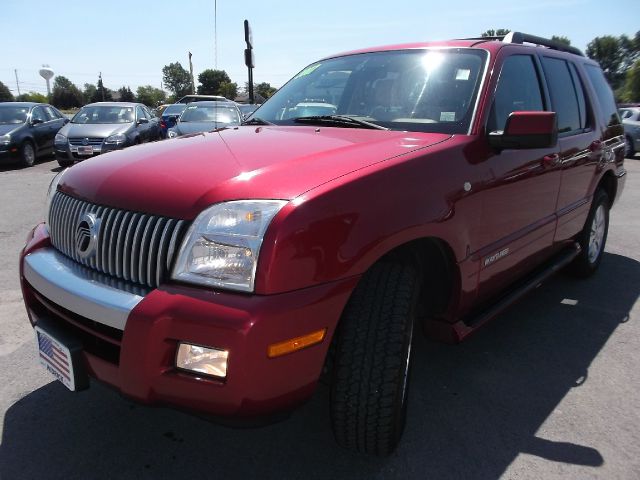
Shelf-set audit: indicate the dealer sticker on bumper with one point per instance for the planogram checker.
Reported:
(56, 358)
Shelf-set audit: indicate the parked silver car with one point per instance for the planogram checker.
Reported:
(631, 121)
(206, 116)
(104, 126)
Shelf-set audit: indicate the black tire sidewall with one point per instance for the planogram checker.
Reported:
(23, 158)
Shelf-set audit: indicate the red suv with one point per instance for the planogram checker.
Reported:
(378, 193)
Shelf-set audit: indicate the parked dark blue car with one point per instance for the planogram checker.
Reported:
(170, 116)
(27, 131)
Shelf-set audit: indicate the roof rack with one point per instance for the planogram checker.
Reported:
(520, 38)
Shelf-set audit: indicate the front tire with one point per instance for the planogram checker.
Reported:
(593, 237)
(27, 154)
(372, 359)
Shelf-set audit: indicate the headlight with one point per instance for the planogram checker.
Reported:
(116, 139)
(5, 139)
(53, 187)
(60, 138)
(173, 134)
(221, 248)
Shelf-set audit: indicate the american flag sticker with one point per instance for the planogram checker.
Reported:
(56, 358)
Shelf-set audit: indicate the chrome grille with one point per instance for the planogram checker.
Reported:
(132, 246)
(94, 142)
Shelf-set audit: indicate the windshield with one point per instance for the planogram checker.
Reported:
(174, 109)
(415, 90)
(214, 114)
(13, 115)
(104, 114)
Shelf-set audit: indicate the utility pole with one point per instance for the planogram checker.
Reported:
(248, 58)
(17, 82)
(215, 34)
(193, 83)
(101, 85)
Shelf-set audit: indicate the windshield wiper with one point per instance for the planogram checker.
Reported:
(339, 120)
(256, 121)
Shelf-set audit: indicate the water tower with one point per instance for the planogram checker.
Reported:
(47, 74)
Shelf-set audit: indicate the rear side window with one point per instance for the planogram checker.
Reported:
(566, 97)
(518, 90)
(604, 94)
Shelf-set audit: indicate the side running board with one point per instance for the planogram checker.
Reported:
(530, 283)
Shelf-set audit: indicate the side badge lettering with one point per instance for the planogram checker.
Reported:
(496, 256)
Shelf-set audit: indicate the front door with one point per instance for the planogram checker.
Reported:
(519, 197)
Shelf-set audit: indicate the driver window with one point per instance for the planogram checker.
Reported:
(141, 113)
(38, 114)
(518, 90)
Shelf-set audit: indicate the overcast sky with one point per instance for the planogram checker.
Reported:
(130, 41)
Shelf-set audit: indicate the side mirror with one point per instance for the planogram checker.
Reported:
(526, 130)
(143, 120)
(36, 121)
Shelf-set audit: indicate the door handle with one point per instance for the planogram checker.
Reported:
(551, 160)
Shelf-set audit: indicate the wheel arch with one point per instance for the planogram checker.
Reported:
(608, 183)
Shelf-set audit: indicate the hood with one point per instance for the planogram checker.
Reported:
(184, 128)
(4, 129)
(182, 176)
(93, 130)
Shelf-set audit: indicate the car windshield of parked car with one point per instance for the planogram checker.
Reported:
(104, 114)
(428, 90)
(174, 109)
(210, 113)
(13, 115)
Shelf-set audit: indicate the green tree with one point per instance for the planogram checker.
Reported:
(561, 39)
(609, 52)
(176, 79)
(500, 32)
(102, 94)
(211, 82)
(150, 96)
(65, 94)
(32, 97)
(228, 90)
(126, 95)
(631, 89)
(89, 92)
(5, 93)
(265, 89)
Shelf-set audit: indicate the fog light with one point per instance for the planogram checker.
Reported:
(209, 361)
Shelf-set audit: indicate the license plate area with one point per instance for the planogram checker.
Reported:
(61, 355)
(82, 150)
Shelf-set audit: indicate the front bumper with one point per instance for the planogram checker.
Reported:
(130, 336)
(9, 154)
(68, 153)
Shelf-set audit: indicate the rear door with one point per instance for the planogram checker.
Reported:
(579, 141)
(519, 200)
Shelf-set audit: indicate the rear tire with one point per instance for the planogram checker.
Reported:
(27, 154)
(372, 359)
(629, 151)
(593, 237)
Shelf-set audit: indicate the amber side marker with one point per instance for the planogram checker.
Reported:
(295, 344)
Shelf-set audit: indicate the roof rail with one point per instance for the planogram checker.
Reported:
(519, 37)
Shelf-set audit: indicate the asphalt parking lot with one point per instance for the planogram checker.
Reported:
(548, 390)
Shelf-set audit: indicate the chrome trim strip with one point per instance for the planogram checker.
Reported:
(72, 287)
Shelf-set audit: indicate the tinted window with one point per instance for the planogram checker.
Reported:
(174, 109)
(604, 94)
(12, 115)
(564, 99)
(51, 113)
(38, 114)
(582, 103)
(141, 113)
(518, 90)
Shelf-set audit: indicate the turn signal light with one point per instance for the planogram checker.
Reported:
(295, 344)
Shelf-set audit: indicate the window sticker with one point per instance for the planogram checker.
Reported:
(463, 74)
(308, 70)
(447, 116)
